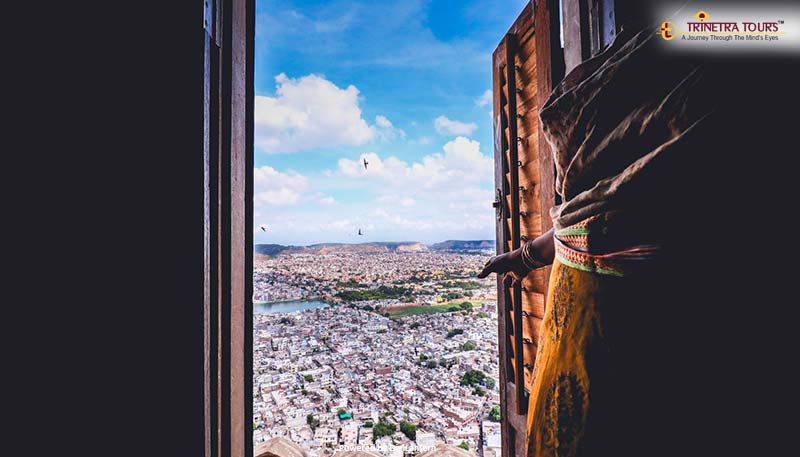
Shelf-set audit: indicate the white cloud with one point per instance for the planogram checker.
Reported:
(269, 178)
(383, 122)
(279, 197)
(307, 113)
(442, 195)
(385, 131)
(393, 199)
(323, 199)
(462, 163)
(485, 99)
(274, 188)
(445, 126)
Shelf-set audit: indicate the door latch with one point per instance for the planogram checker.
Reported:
(498, 204)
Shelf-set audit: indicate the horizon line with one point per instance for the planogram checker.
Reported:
(373, 242)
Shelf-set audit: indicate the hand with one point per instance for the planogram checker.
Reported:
(510, 264)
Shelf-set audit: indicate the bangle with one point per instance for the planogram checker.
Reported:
(528, 258)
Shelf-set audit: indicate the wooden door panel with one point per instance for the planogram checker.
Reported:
(523, 176)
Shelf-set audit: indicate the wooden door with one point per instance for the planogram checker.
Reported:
(229, 27)
(525, 64)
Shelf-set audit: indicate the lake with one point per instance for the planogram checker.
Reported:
(287, 306)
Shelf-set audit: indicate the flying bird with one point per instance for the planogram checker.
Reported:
(263, 228)
(359, 232)
(365, 163)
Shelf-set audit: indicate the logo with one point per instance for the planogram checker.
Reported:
(726, 29)
(666, 30)
(700, 29)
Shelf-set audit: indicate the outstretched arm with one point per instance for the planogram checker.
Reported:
(519, 262)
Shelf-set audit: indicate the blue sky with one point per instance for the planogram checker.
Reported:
(403, 84)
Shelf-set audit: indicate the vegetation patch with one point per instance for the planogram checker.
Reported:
(494, 414)
(381, 293)
(475, 378)
(382, 429)
(409, 430)
(416, 310)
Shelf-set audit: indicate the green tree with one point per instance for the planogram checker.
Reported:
(312, 421)
(469, 346)
(308, 378)
(341, 411)
(473, 378)
(368, 424)
(381, 293)
(409, 430)
(454, 332)
(478, 391)
(488, 382)
(382, 429)
(494, 414)
(467, 306)
(414, 325)
(464, 446)
(431, 364)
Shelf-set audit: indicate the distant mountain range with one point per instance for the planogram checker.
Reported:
(460, 245)
(390, 246)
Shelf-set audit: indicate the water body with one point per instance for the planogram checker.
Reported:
(287, 306)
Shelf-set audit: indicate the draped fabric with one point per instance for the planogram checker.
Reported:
(559, 400)
(678, 357)
(621, 127)
(605, 365)
(624, 127)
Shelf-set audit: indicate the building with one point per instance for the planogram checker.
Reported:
(279, 447)
(350, 435)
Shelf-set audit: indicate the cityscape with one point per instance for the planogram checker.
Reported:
(384, 348)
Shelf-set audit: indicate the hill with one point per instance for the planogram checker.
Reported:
(269, 249)
(377, 247)
(385, 246)
(327, 248)
(464, 246)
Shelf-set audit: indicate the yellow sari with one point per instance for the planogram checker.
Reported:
(559, 400)
(605, 365)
